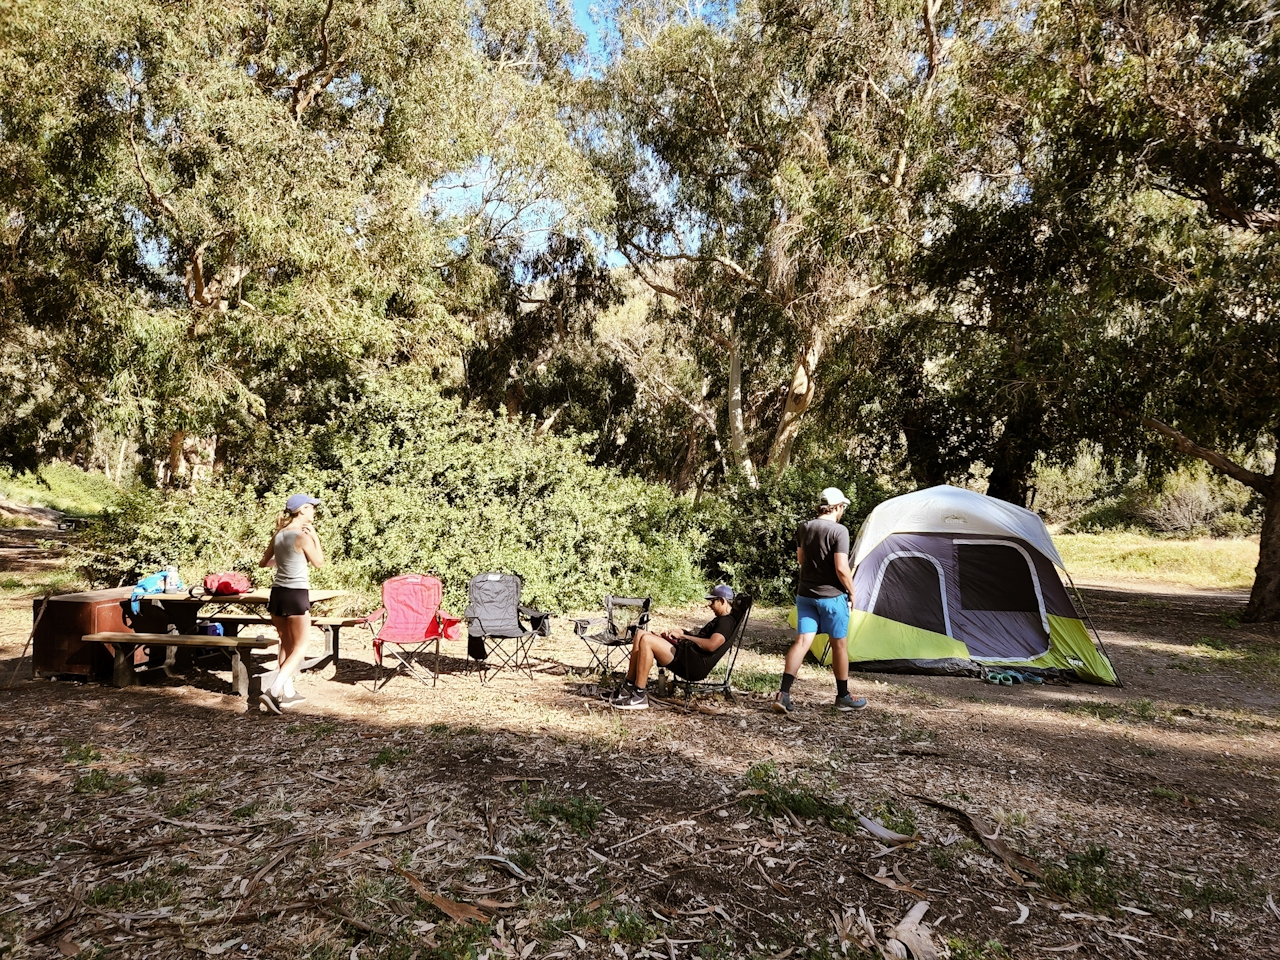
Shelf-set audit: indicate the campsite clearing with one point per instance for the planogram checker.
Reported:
(523, 818)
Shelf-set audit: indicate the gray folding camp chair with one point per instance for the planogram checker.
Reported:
(494, 625)
(728, 651)
(609, 638)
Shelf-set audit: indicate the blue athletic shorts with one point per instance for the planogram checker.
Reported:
(829, 615)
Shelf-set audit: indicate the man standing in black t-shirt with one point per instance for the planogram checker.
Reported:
(823, 598)
(689, 655)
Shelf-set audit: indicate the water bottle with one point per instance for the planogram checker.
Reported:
(171, 582)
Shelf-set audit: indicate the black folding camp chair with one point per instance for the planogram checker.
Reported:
(494, 625)
(608, 638)
(711, 678)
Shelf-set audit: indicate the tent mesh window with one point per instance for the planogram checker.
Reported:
(911, 593)
(995, 577)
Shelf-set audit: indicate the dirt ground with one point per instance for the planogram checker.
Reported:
(523, 818)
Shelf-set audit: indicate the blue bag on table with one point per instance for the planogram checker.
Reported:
(153, 583)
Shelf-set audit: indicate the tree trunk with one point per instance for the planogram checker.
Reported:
(799, 397)
(1264, 600)
(738, 448)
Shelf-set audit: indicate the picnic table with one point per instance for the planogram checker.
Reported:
(185, 614)
(173, 622)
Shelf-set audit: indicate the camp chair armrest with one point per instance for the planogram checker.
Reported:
(376, 615)
(581, 625)
(539, 620)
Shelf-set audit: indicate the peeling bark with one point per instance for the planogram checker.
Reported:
(799, 397)
(738, 448)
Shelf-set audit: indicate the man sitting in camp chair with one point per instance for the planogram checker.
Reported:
(685, 653)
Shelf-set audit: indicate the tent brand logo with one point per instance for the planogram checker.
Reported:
(954, 518)
(1075, 662)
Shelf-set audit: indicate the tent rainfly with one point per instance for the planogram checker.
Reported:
(946, 579)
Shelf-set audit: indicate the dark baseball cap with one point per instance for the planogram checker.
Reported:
(300, 500)
(722, 592)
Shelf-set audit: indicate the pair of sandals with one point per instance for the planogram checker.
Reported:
(1007, 678)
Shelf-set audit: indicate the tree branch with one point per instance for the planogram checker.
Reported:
(1185, 445)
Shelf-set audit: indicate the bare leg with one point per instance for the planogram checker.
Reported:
(795, 655)
(293, 648)
(840, 658)
(645, 650)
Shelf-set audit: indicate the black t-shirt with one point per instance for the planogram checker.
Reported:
(721, 625)
(821, 540)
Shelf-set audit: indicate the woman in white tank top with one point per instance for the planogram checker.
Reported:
(293, 547)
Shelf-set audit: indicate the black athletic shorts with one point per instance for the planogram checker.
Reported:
(289, 602)
(690, 663)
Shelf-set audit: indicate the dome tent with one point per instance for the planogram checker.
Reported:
(946, 578)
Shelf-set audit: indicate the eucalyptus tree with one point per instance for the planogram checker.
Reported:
(221, 218)
(1180, 99)
(765, 158)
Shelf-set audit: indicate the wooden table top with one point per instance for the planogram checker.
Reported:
(252, 598)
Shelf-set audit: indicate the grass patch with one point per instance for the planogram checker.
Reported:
(962, 949)
(1091, 877)
(1108, 712)
(62, 487)
(246, 812)
(1207, 563)
(148, 890)
(578, 813)
(153, 778)
(389, 757)
(616, 923)
(17, 869)
(80, 753)
(99, 781)
(188, 803)
(776, 798)
(753, 680)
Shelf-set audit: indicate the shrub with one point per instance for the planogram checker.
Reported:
(411, 482)
(751, 531)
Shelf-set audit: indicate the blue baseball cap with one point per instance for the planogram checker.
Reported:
(722, 592)
(298, 501)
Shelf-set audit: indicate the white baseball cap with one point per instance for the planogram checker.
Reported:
(832, 497)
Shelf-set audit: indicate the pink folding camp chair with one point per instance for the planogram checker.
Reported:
(409, 620)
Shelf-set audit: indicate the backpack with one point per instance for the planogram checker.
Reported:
(226, 584)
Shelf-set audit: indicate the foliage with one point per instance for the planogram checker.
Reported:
(751, 529)
(412, 483)
(218, 220)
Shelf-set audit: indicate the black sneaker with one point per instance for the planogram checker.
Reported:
(782, 703)
(846, 703)
(269, 703)
(635, 700)
(622, 692)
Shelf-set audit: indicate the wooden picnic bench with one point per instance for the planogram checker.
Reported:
(246, 677)
(233, 623)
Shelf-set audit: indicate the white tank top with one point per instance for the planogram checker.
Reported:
(291, 562)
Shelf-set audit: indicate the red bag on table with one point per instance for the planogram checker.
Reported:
(226, 584)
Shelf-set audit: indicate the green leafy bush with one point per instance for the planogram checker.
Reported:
(751, 531)
(412, 483)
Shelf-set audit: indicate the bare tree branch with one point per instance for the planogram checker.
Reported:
(1185, 445)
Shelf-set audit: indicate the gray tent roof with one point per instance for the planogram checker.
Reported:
(947, 509)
